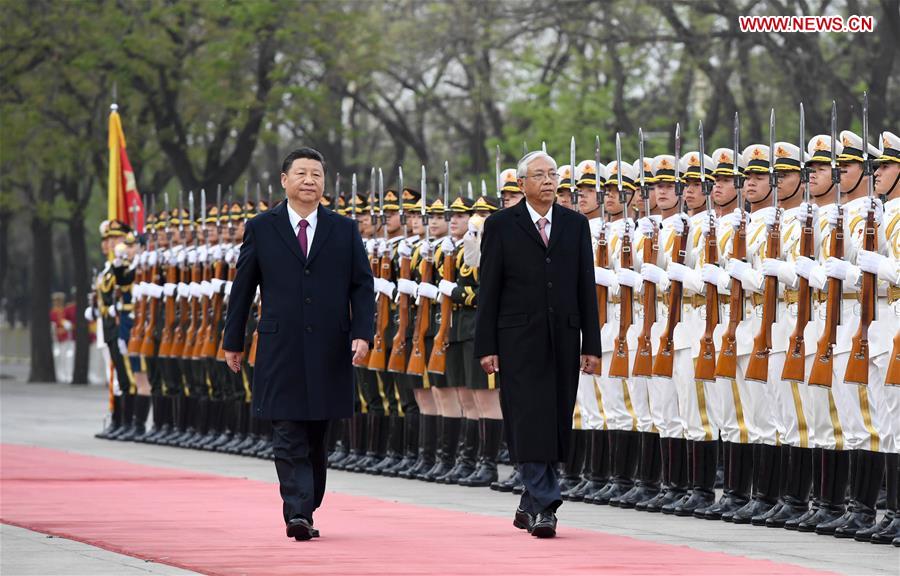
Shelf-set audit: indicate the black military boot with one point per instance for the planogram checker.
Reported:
(598, 477)
(703, 466)
(677, 487)
(586, 486)
(486, 471)
(179, 421)
(725, 467)
(394, 446)
(765, 489)
(428, 425)
(357, 447)
(379, 429)
(815, 493)
(253, 427)
(571, 478)
(889, 528)
(647, 485)
(241, 427)
(141, 412)
(198, 413)
(410, 446)
(835, 475)
(740, 480)
(340, 443)
(465, 454)
(126, 431)
(446, 457)
(798, 482)
(115, 422)
(863, 500)
(779, 482)
(624, 462)
(153, 406)
(653, 504)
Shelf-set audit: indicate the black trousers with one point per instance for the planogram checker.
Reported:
(541, 487)
(301, 460)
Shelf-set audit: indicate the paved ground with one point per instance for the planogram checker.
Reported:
(65, 417)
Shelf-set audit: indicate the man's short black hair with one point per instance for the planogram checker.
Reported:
(304, 152)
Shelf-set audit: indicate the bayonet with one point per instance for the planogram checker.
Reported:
(497, 176)
(524, 148)
(704, 185)
(735, 151)
(268, 199)
(191, 217)
(422, 184)
(679, 190)
(773, 176)
(353, 195)
(483, 188)
(446, 191)
(469, 189)
(400, 200)
(543, 147)
(597, 187)
(573, 190)
(219, 208)
(203, 214)
(645, 190)
(168, 214)
(868, 171)
(381, 202)
(804, 170)
(372, 197)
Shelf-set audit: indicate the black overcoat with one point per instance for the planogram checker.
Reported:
(312, 307)
(537, 310)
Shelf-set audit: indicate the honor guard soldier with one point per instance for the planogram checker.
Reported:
(565, 186)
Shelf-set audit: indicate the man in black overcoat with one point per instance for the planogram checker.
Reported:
(317, 299)
(537, 324)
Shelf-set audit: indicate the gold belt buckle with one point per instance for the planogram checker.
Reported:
(791, 296)
(893, 293)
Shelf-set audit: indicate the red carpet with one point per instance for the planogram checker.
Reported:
(220, 525)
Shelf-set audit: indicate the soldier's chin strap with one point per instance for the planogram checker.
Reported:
(797, 189)
(893, 186)
(855, 186)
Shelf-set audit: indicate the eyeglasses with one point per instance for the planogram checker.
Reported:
(540, 176)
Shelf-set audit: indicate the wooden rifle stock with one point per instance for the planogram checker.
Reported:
(168, 331)
(190, 332)
(726, 364)
(705, 364)
(373, 264)
(136, 341)
(423, 323)
(378, 359)
(205, 315)
(398, 359)
(858, 365)
(664, 363)
(643, 360)
(618, 366)
(211, 337)
(151, 313)
(893, 372)
(795, 361)
(437, 363)
(601, 259)
(822, 372)
(758, 367)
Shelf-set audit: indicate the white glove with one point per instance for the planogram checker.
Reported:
(732, 219)
(228, 288)
(874, 263)
(677, 223)
(678, 272)
(169, 288)
(407, 287)
(602, 230)
(385, 287)
(647, 226)
(628, 277)
(195, 290)
(155, 291)
(152, 258)
(205, 289)
(712, 274)
(404, 249)
(371, 245)
(112, 311)
(383, 249)
(215, 252)
(749, 278)
(705, 223)
(473, 228)
(231, 256)
(830, 213)
(447, 246)
(781, 270)
(653, 273)
(191, 257)
(425, 250)
(767, 215)
(184, 291)
(203, 254)
(804, 210)
(138, 290)
(604, 277)
(216, 285)
(426, 290)
(879, 210)
(837, 268)
(446, 288)
(89, 313)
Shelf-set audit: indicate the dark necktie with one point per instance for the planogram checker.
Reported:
(301, 236)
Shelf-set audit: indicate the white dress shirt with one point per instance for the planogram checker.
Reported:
(535, 217)
(310, 230)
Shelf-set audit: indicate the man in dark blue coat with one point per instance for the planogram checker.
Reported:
(318, 309)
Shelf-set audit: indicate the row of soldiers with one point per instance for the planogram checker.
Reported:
(726, 257)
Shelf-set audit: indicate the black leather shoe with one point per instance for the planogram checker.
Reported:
(761, 519)
(523, 520)
(789, 511)
(889, 525)
(794, 524)
(888, 534)
(824, 515)
(670, 508)
(698, 500)
(506, 485)
(300, 529)
(665, 499)
(755, 507)
(729, 503)
(544, 525)
(859, 520)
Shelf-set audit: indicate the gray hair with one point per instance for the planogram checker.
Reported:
(522, 168)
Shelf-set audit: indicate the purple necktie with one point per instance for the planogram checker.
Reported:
(542, 224)
(301, 236)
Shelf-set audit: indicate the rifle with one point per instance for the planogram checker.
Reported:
(795, 361)
(858, 365)
(618, 367)
(822, 372)
(232, 270)
(150, 313)
(758, 367)
(643, 360)
(601, 255)
(705, 364)
(378, 359)
(211, 340)
(398, 359)
(135, 342)
(168, 331)
(573, 190)
(207, 267)
(665, 357)
(184, 276)
(437, 363)
(726, 365)
(190, 336)
(416, 364)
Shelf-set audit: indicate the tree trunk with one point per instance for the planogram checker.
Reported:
(42, 367)
(77, 234)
